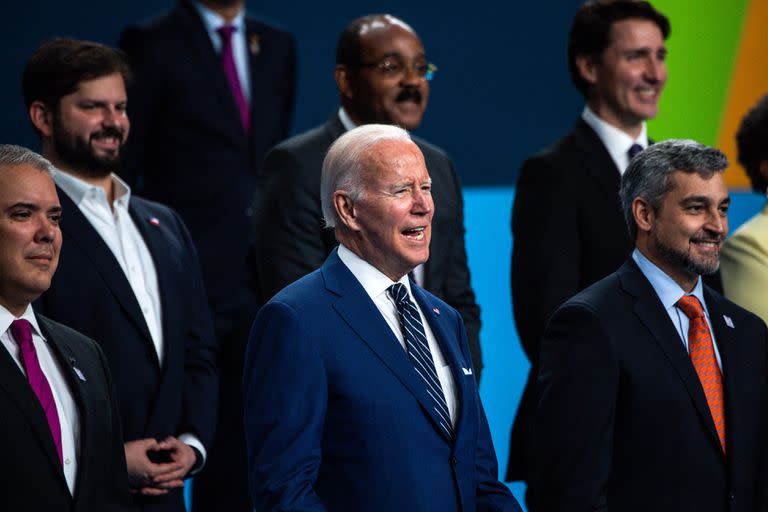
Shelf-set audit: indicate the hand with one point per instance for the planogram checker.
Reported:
(182, 461)
(143, 474)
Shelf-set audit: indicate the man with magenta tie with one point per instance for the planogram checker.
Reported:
(60, 432)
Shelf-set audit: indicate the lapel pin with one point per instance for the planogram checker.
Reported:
(254, 44)
(76, 369)
(154, 221)
(437, 311)
(728, 321)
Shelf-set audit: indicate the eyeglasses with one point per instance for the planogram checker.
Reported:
(392, 67)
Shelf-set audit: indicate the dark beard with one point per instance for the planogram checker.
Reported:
(77, 154)
(684, 260)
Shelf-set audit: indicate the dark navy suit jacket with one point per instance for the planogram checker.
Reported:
(336, 417)
(31, 477)
(92, 295)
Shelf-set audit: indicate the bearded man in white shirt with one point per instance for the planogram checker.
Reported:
(135, 269)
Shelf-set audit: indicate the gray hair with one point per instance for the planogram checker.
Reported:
(648, 174)
(12, 156)
(345, 163)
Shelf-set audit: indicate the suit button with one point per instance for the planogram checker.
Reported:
(454, 461)
(731, 496)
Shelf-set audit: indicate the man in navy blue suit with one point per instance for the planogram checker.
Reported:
(359, 388)
(132, 267)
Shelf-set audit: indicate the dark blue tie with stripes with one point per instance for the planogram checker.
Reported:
(419, 353)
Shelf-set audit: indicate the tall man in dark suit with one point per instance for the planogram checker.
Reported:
(214, 91)
(382, 74)
(359, 392)
(134, 266)
(60, 426)
(654, 386)
(567, 225)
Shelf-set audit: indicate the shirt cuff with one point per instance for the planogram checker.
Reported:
(194, 442)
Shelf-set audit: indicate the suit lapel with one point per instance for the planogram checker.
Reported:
(652, 314)
(597, 161)
(78, 230)
(61, 349)
(15, 385)
(362, 316)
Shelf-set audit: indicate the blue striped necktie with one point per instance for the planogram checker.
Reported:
(419, 353)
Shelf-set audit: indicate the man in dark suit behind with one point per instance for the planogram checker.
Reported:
(199, 137)
(567, 225)
(383, 77)
(359, 391)
(60, 430)
(653, 385)
(134, 266)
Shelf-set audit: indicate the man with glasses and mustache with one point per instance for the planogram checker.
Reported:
(129, 277)
(382, 74)
(653, 385)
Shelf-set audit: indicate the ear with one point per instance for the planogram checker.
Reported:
(341, 74)
(643, 214)
(345, 209)
(41, 117)
(587, 68)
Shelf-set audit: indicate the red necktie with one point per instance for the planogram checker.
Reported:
(702, 353)
(21, 331)
(230, 70)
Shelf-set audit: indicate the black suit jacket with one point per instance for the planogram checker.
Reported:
(31, 477)
(568, 232)
(187, 147)
(623, 423)
(292, 241)
(91, 293)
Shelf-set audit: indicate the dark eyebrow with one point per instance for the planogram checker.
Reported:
(28, 206)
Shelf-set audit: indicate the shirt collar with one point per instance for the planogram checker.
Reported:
(616, 141)
(213, 21)
(346, 121)
(374, 282)
(666, 288)
(79, 190)
(6, 318)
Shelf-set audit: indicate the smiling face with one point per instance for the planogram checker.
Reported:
(688, 230)
(91, 126)
(390, 224)
(372, 95)
(30, 238)
(627, 80)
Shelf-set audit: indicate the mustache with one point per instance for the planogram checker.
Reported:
(706, 237)
(409, 94)
(109, 131)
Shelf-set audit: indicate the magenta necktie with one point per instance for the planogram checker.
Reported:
(230, 70)
(21, 331)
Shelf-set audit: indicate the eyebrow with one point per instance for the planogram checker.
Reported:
(704, 199)
(33, 206)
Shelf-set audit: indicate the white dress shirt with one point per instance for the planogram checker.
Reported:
(212, 23)
(615, 141)
(116, 227)
(376, 285)
(69, 416)
(669, 293)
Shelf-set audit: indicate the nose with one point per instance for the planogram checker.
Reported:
(422, 202)
(655, 70)
(46, 230)
(411, 75)
(717, 223)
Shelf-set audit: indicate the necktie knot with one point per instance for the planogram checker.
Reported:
(691, 306)
(633, 150)
(399, 293)
(225, 31)
(21, 330)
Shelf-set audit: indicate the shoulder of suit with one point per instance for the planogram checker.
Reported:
(63, 333)
(559, 157)
(430, 150)
(314, 140)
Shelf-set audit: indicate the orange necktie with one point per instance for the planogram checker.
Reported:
(703, 358)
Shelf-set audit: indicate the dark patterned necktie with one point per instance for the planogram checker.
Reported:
(419, 353)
